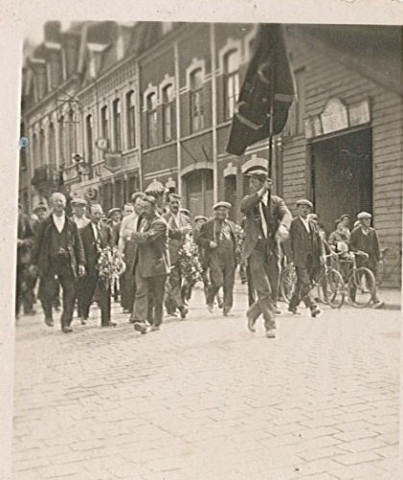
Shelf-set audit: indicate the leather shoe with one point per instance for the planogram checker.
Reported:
(379, 304)
(67, 329)
(271, 333)
(140, 327)
(183, 311)
(315, 311)
(109, 324)
(84, 321)
(49, 321)
(276, 310)
(155, 328)
(210, 307)
(251, 323)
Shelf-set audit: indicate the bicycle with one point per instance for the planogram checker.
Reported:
(360, 284)
(329, 282)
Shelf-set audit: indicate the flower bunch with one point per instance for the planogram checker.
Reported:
(110, 265)
(239, 241)
(190, 266)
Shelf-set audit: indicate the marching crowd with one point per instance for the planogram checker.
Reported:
(160, 253)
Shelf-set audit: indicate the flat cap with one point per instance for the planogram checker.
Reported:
(200, 217)
(304, 201)
(185, 211)
(260, 174)
(345, 215)
(113, 210)
(78, 201)
(222, 204)
(40, 206)
(363, 215)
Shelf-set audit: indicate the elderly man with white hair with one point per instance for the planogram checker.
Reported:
(58, 256)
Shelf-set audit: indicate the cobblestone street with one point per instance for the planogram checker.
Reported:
(206, 399)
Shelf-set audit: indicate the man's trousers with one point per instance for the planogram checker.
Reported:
(302, 289)
(221, 275)
(90, 284)
(174, 298)
(258, 262)
(146, 287)
(48, 287)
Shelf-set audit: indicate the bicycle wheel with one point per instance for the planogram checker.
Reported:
(361, 287)
(333, 288)
(287, 283)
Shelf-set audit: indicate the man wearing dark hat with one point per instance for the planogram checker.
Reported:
(307, 253)
(364, 238)
(267, 221)
(79, 218)
(178, 229)
(217, 238)
(157, 190)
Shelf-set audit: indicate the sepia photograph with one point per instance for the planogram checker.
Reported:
(208, 251)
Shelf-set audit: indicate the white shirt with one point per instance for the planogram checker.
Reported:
(305, 221)
(264, 201)
(95, 230)
(59, 221)
(81, 222)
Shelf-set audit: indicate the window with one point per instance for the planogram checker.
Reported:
(231, 85)
(105, 122)
(52, 144)
(168, 113)
(42, 160)
(62, 148)
(89, 131)
(196, 100)
(117, 137)
(131, 120)
(152, 119)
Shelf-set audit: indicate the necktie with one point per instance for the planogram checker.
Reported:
(263, 218)
(225, 231)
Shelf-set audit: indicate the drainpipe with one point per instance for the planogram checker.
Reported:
(178, 118)
(214, 109)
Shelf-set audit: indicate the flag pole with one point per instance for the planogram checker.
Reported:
(271, 112)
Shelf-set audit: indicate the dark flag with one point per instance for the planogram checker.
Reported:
(268, 87)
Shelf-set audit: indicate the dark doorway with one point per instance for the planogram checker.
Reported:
(342, 176)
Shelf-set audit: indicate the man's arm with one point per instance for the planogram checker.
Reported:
(79, 248)
(284, 213)
(203, 239)
(157, 230)
(38, 240)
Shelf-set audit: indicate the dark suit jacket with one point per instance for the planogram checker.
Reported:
(115, 233)
(306, 247)
(152, 255)
(208, 234)
(41, 249)
(278, 213)
(368, 244)
(90, 245)
(26, 234)
(176, 238)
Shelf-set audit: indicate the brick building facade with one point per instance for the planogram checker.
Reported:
(153, 101)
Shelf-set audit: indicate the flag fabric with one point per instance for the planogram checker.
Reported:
(268, 85)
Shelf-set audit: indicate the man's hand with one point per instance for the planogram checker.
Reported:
(81, 270)
(282, 233)
(213, 245)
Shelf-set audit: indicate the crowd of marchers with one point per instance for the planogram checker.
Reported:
(153, 234)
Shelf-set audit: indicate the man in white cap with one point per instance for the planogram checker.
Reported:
(217, 238)
(267, 221)
(364, 238)
(307, 253)
(79, 218)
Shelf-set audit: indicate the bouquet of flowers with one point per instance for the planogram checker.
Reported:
(110, 265)
(239, 241)
(190, 265)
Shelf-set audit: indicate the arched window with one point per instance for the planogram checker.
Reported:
(117, 130)
(152, 119)
(52, 144)
(231, 82)
(131, 119)
(196, 100)
(42, 159)
(89, 137)
(105, 122)
(168, 112)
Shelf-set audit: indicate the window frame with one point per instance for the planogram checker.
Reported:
(117, 124)
(152, 120)
(230, 78)
(131, 119)
(168, 113)
(196, 100)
